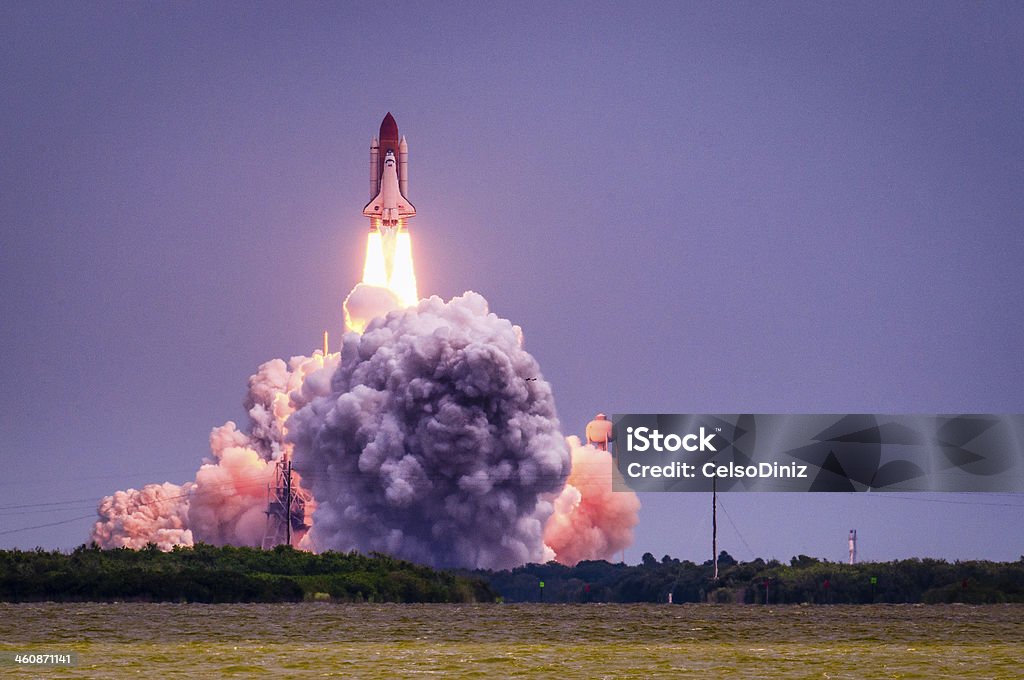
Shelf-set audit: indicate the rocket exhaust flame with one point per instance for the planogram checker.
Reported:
(389, 263)
(403, 277)
(375, 269)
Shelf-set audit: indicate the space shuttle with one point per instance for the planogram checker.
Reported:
(389, 208)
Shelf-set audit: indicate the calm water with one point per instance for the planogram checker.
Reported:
(499, 641)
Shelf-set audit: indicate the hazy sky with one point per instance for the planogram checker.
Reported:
(688, 207)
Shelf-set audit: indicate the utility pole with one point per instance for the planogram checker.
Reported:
(714, 524)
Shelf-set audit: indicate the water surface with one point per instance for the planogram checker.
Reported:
(533, 640)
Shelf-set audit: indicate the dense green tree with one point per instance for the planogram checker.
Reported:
(804, 579)
(205, 573)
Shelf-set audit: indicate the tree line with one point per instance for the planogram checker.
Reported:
(804, 579)
(206, 573)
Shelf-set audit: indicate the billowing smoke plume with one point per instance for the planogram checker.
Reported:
(437, 442)
(430, 437)
(156, 513)
(590, 521)
(230, 495)
(226, 503)
(365, 303)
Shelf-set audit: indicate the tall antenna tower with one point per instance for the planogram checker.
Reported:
(714, 525)
(853, 546)
(286, 508)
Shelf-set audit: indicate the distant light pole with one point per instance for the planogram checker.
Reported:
(714, 524)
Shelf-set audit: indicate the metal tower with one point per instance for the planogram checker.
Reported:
(286, 508)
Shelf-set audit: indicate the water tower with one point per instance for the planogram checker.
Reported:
(599, 432)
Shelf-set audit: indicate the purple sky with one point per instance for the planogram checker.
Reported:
(688, 208)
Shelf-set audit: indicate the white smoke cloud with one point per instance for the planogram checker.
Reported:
(229, 498)
(365, 303)
(590, 521)
(267, 387)
(226, 502)
(431, 437)
(156, 513)
(437, 442)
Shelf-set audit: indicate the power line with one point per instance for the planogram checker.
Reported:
(893, 496)
(49, 479)
(48, 524)
(254, 483)
(40, 505)
(736, 529)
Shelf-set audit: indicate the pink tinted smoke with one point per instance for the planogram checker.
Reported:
(156, 513)
(590, 521)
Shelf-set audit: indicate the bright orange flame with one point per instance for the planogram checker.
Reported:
(374, 273)
(389, 263)
(403, 279)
